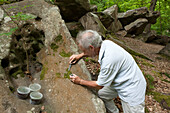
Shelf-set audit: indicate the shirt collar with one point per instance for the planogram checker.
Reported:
(101, 52)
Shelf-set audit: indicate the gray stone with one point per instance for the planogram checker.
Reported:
(152, 16)
(136, 27)
(1, 14)
(131, 15)
(92, 21)
(2, 72)
(72, 10)
(64, 96)
(4, 46)
(166, 50)
(109, 19)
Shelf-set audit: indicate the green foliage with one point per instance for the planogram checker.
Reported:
(9, 33)
(22, 16)
(162, 26)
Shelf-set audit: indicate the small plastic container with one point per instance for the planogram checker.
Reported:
(35, 87)
(36, 98)
(23, 92)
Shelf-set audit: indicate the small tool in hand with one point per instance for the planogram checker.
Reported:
(69, 67)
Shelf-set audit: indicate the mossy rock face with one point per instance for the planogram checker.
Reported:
(58, 38)
(64, 54)
(54, 47)
(163, 99)
(43, 72)
(150, 82)
(15, 72)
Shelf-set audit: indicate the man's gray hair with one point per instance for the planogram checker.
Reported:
(89, 37)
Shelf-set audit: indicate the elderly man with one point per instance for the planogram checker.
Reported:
(119, 74)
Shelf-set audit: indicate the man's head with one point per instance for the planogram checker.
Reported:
(89, 42)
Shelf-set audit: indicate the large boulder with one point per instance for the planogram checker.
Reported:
(60, 94)
(136, 27)
(131, 15)
(152, 16)
(166, 50)
(160, 39)
(109, 19)
(148, 37)
(92, 21)
(72, 10)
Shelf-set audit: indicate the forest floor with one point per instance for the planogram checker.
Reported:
(157, 74)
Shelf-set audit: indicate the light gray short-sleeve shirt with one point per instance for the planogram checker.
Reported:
(120, 72)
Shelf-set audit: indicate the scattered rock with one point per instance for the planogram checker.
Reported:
(72, 10)
(166, 50)
(92, 21)
(136, 27)
(131, 15)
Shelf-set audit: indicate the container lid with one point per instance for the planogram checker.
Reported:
(23, 90)
(36, 95)
(35, 87)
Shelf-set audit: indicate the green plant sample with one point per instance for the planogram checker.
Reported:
(54, 47)
(86, 59)
(64, 54)
(67, 75)
(43, 72)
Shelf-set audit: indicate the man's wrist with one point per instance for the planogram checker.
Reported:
(81, 81)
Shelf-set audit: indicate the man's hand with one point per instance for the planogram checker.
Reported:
(75, 58)
(75, 79)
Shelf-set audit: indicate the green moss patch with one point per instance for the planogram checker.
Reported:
(147, 64)
(58, 75)
(58, 38)
(54, 47)
(43, 72)
(18, 72)
(150, 83)
(64, 54)
(161, 97)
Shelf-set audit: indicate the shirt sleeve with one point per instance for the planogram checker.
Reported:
(106, 76)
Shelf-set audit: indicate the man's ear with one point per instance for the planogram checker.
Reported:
(91, 47)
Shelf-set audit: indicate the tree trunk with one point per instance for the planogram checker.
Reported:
(152, 7)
